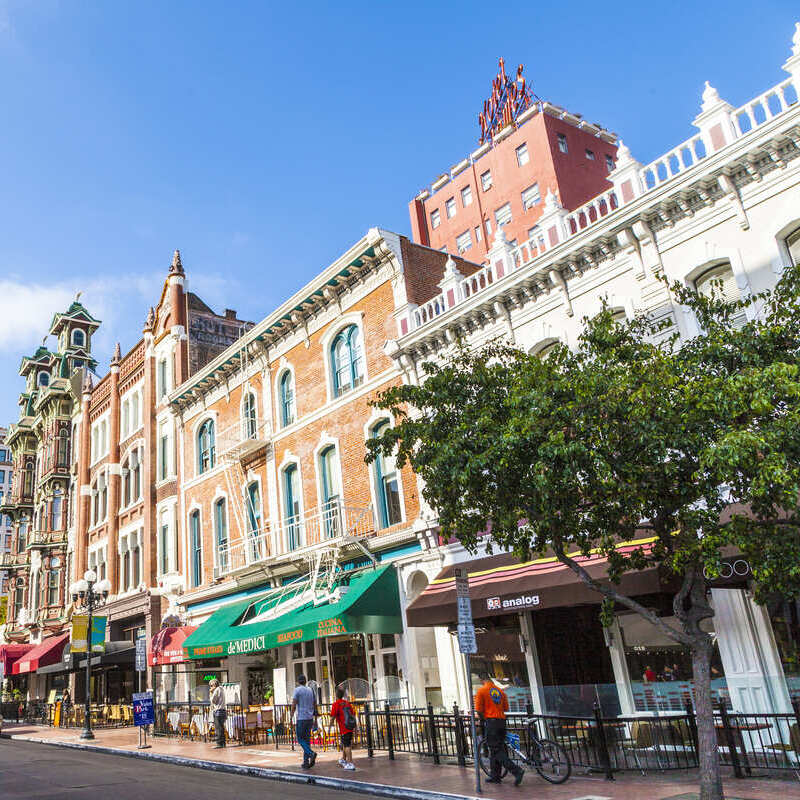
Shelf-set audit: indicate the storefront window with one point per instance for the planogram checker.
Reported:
(660, 669)
(785, 618)
(500, 654)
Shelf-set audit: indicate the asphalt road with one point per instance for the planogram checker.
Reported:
(30, 770)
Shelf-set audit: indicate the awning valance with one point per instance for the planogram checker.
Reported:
(48, 652)
(503, 585)
(166, 647)
(10, 654)
(368, 602)
(116, 653)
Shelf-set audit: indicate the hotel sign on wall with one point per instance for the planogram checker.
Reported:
(508, 99)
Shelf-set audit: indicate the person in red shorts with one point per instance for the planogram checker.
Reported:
(344, 713)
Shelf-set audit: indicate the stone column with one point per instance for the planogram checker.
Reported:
(84, 493)
(114, 476)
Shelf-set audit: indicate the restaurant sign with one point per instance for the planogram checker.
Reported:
(512, 603)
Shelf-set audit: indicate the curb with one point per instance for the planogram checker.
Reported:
(284, 776)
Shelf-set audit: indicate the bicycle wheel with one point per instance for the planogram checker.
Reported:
(486, 761)
(551, 760)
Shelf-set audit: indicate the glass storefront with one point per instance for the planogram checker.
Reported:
(660, 669)
(500, 653)
(183, 683)
(785, 618)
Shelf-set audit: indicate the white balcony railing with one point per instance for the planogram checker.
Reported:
(764, 108)
(315, 527)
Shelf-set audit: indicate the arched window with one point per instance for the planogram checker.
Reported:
(78, 337)
(221, 534)
(249, 422)
(254, 521)
(291, 497)
(543, 349)
(287, 398)
(709, 282)
(102, 491)
(793, 244)
(63, 448)
(36, 589)
(206, 455)
(347, 360)
(387, 484)
(43, 379)
(136, 559)
(53, 581)
(196, 548)
(329, 491)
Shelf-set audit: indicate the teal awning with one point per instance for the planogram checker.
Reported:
(368, 602)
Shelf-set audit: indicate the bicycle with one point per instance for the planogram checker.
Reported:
(547, 757)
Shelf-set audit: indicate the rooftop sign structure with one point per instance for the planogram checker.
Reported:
(509, 98)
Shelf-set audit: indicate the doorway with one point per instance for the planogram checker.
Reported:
(348, 659)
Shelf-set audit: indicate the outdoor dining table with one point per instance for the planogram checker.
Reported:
(175, 718)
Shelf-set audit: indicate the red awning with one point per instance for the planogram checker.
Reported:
(10, 653)
(48, 652)
(166, 647)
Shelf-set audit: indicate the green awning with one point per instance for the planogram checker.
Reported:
(370, 604)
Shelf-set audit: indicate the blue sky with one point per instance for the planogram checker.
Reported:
(263, 139)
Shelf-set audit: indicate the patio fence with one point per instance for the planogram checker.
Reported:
(605, 744)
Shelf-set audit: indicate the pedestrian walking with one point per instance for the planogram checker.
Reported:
(491, 704)
(66, 702)
(344, 713)
(219, 712)
(304, 706)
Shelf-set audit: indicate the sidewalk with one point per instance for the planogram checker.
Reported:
(407, 773)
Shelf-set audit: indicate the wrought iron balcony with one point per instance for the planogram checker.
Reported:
(328, 524)
(242, 439)
(14, 560)
(46, 539)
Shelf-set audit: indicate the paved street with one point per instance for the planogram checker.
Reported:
(29, 770)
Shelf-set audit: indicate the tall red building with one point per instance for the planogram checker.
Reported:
(533, 147)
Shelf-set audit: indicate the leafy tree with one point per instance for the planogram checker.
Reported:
(695, 442)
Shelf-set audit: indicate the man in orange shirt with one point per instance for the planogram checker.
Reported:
(491, 704)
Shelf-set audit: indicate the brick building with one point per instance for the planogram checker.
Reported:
(503, 183)
(278, 507)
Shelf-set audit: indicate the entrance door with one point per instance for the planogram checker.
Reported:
(348, 662)
(291, 490)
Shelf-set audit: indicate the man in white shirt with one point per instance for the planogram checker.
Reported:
(304, 704)
(217, 699)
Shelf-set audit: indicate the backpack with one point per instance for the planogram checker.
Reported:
(349, 718)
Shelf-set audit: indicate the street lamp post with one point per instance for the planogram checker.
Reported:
(90, 594)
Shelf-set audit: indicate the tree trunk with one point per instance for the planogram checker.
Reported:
(710, 775)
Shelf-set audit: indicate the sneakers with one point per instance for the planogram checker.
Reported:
(350, 767)
(518, 777)
(313, 760)
(342, 762)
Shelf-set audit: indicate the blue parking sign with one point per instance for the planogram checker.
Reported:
(143, 711)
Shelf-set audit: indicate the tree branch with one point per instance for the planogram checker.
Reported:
(612, 594)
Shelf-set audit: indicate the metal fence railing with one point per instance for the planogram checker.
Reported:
(37, 712)
(598, 743)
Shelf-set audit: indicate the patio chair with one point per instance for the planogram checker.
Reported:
(249, 731)
(640, 741)
(792, 746)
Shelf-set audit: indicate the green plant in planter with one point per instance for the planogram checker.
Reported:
(269, 692)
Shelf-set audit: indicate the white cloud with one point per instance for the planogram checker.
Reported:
(26, 310)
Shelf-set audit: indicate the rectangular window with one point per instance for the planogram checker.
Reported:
(562, 143)
(197, 563)
(609, 163)
(531, 196)
(436, 219)
(502, 215)
(478, 234)
(522, 155)
(590, 154)
(164, 545)
(52, 587)
(488, 227)
(450, 207)
(163, 455)
(464, 241)
(486, 180)
(466, 196)
(391, 492)
(162, 378)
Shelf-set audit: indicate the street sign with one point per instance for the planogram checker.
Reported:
(141, 654)
(143, 710)
(467, 643)
(464, 605)
(461, 574)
